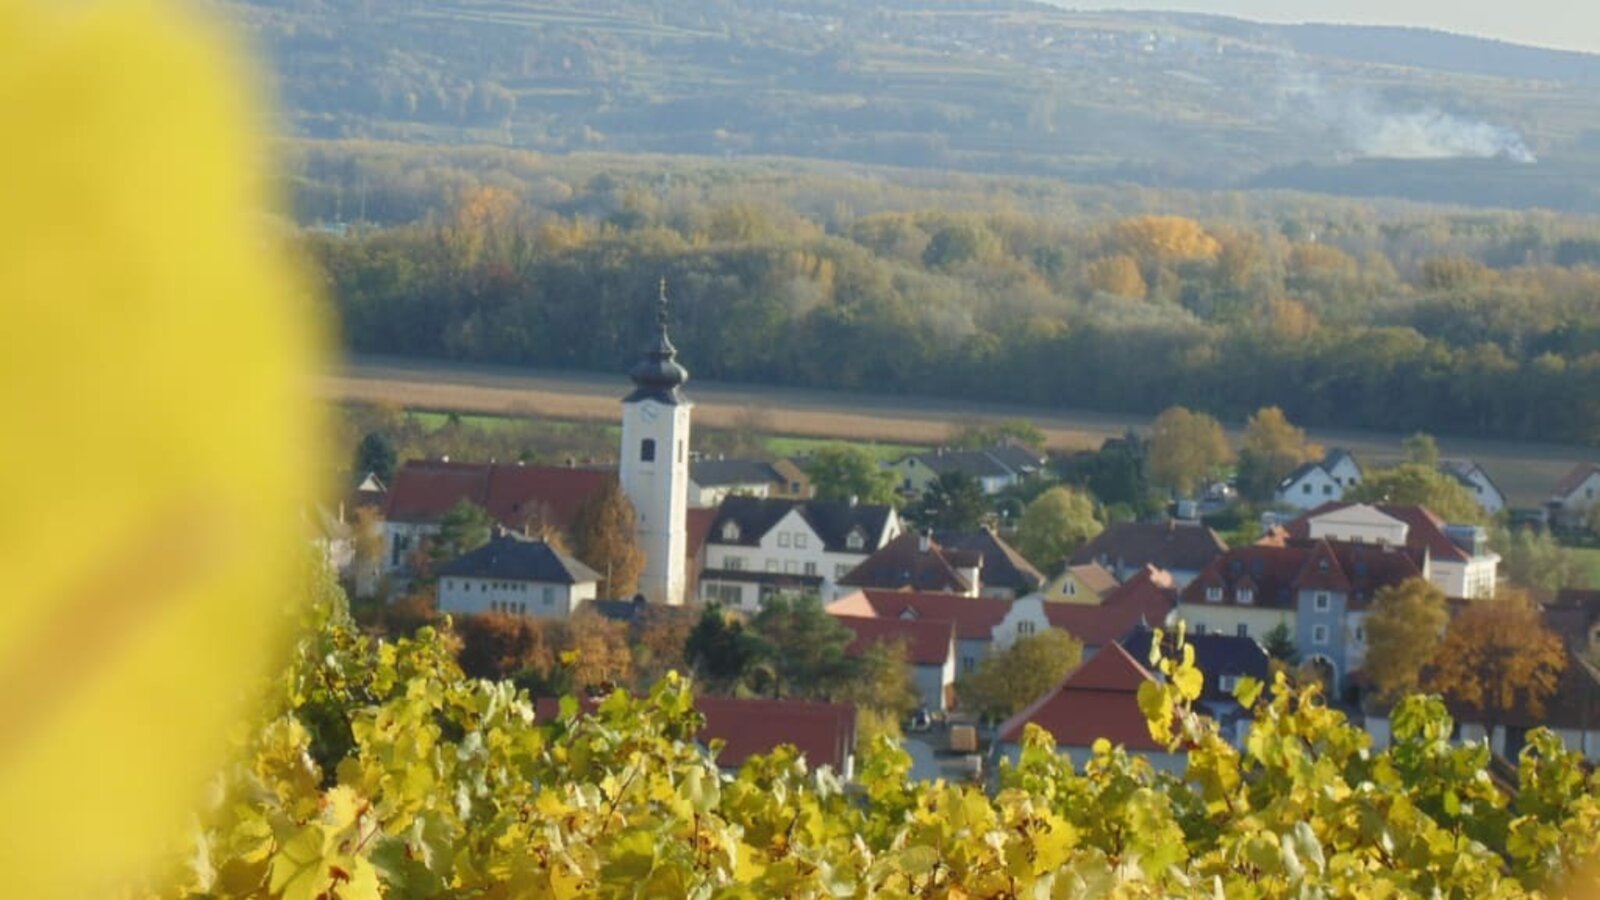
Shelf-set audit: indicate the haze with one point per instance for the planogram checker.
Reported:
(1568, 24)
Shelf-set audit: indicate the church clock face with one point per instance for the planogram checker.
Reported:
(649, 410)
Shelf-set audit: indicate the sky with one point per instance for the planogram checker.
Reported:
(1568, 24)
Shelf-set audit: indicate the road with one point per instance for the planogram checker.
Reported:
(1526, 472)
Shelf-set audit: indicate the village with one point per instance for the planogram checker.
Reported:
(906, 564)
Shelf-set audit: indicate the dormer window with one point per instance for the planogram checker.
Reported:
(1245, 596)
(855, 540)
(1213, 595)
(730, 531)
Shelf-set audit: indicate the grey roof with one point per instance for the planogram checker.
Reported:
(977, 463)
(1462, 469)
(730, 472)
(1214, 654)
(1003, 565)
(1165, 545)
(1300, 472)
(832, 522)
(512, 558)
(1332, 458)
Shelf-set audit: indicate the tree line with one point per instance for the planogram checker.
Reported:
(1134, 314)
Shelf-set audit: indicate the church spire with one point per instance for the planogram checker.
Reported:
(657, 374)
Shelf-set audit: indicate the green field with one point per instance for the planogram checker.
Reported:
(1590, 557)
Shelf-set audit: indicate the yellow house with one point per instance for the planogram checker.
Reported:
(1087, 583)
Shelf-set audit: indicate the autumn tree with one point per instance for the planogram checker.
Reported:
(883, 689)
(1161, 238)
(1404, 627)
(952, 502)
(1055, 524)
(1119, 276)
(603, 537)
(1422, 449)
(1272, 447)
(1007, 680)
(1413, 484)
(841, 471)
(1497, 658)
(1185, 448)
(597, 656)
(660, 639)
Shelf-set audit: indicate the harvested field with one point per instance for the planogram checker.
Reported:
(1526, 472)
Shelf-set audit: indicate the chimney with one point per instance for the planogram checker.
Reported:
(925, 540)
(973, 576)
(853, 498)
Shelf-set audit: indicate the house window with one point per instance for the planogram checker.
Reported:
(1226, 683)
(811, 568)
(1319, 634)
(1070, 589)
(1305, 488)
(1361, 634)
(1200, 628)
(1322, 601)
(855, 541)
(733, 564)
(968, 663)
(772, 565)
(1242, 629)
(840, 570)
(790, 567)
(548, 595)
(1213, 595)
(1245, 596)
(730, 531)
(783, 539)
(1327, 490)
(647, 450)
(1024, 628)
(449, 585)
(800, 540)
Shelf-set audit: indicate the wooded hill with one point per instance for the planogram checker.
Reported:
(1009, 87)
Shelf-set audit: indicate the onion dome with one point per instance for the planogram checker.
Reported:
(657, 375)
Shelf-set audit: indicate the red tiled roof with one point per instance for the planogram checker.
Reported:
(1098, 700)
(974, 617)
(1575, 479)
(423, 491)
(929, 642)
(1275, 573)
(902, 563)
(1145, 599)
(825, 733)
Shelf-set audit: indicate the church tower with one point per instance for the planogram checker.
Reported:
(655, 464)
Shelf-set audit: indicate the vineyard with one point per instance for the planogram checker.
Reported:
(381, 771)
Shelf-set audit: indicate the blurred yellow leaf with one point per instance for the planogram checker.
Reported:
(156, 383)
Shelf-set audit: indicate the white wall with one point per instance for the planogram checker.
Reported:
(791, 548)
(475, 596)
(1312, 490)
(1576, 505)
(659, 491)
(707, 497)
(1359, 524)
(1225, 618)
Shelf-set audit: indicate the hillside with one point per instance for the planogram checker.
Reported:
(1007, 87)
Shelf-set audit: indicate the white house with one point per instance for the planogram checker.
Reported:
(713, 480)
(1316, 483)
(758, 547)
(1477, 482)
(930, 646)
(516, 576)
(1576, 495)
(1456, 558)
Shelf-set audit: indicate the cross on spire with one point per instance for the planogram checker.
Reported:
(661, 310)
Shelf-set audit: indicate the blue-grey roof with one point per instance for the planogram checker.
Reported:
(832, 521)
(513, 558)
(1214, 654)
(731, 472)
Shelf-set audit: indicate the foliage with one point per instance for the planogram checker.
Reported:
(883, 689)
(802, 646)
(1272, 448)
(719, 650)
(1115, 474)
(1498, 658)
(1279, 644)
(952, 502)
(842, 471)
(1009, 679)
(465, 526)
(1054, 524)
(1185, 449)
(603, 537)
(983, 436)
(1404, 627)
(1413, 484)
(1535, 560)
(376, 454)
(379, 770)
(1421, 449)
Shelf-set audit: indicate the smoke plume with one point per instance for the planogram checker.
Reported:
(1370, 128)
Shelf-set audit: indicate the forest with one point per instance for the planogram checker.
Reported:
(1386, 316)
